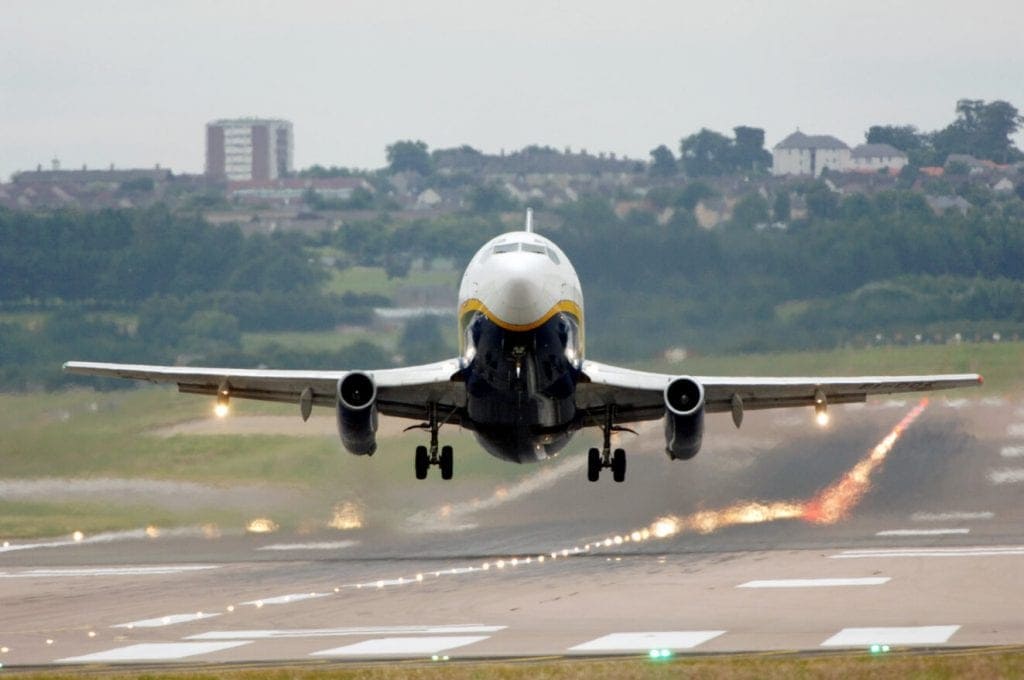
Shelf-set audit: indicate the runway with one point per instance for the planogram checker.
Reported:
(930, 553)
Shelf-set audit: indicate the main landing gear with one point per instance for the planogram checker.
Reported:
(605, 458)
(443, 458)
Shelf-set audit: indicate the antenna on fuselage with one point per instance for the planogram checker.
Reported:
(529, 220)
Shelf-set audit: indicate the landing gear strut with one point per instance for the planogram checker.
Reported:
(442, 457)
(605, 458)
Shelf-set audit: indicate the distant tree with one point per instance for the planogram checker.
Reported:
(692, 194)
(750, 211)
(706, 153)
(781, 208)
(983, 130)
(903, 137)
(409, 156)
(749, 153)
(321, 172)
(663, 163)
(490, 198)
(822, 203)
(422, 340)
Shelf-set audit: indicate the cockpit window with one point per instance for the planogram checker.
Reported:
(553, 255)
(533, 248)
(505, 248)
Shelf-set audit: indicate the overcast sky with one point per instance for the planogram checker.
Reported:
(133, 83)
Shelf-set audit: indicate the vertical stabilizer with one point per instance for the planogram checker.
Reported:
(529, 220)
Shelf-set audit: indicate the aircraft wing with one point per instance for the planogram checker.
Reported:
(401, 392)
(639, 395)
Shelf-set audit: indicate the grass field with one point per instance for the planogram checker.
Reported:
(374, 280)
(990, 663)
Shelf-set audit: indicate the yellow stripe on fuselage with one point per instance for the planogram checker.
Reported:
(568, 306)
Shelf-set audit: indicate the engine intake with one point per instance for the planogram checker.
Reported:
(684, 418)
(357, 413)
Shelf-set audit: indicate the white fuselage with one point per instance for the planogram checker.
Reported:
(521, 345)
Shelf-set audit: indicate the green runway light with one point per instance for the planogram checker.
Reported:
(657, 654)
(879, 649)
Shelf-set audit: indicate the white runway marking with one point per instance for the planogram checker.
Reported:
(285, 599)
(950, 516)
(1015, 430)
(106, 571)
(816, 582)
(956, 403)
(1012, 452)
(161, 621)
(913, 635)
(922, 532)
(343, 632)
(402, 646)
(334, 545)
(628, 642)
(993, 551)
(1006, 476)
(154, 651)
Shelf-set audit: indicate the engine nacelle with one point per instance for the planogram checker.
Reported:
(357, 413)
(684, 418)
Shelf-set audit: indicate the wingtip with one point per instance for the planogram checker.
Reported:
(981, 379)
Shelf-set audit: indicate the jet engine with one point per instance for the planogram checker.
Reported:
(684, 418)
(357, 413)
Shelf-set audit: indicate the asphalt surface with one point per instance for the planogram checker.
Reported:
(931, 553)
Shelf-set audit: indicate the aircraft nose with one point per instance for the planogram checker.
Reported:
(520, 294)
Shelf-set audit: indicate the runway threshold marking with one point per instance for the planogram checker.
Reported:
(950, 516)
(909, 635)
(1006, 476)
(629, 642)
(1015, 430)
(816, 582)
(153, 651)
(107, 571)
(403, 646)
(342, 632)
(923, 532)
(285, 599)
(1012, 452)
(161, 621)
(993, 551)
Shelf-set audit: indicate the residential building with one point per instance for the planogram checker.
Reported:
(801, 154)
(245, 149)
(875, 157)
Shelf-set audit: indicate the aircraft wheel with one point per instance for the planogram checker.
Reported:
(619, 465)
(447, 462)
(422, 462)
(593, 465)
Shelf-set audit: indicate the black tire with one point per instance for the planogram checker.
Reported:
(619, 465)
(422, 462)
(593, 465)
(447, 462)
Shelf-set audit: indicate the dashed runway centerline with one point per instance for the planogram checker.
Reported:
(343, 632)
(923, 532)
(160, 621)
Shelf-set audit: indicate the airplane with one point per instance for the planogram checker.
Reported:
(521, 382)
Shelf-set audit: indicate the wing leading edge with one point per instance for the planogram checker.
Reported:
(639, 395)
(401, 392)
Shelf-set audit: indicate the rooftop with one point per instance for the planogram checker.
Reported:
(799, 140)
